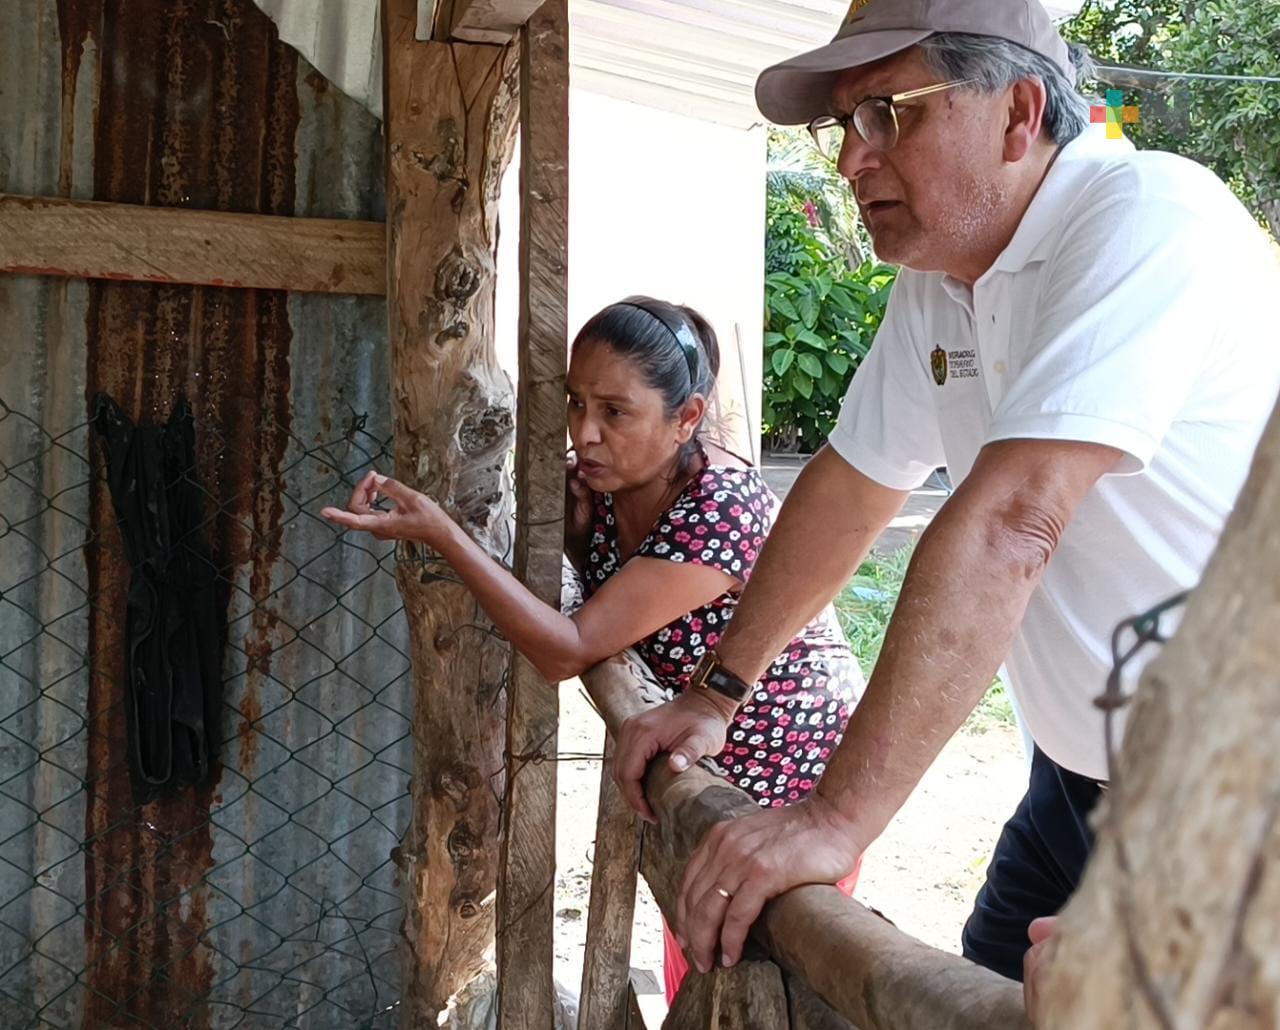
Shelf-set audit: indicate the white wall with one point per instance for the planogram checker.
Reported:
(668, 206)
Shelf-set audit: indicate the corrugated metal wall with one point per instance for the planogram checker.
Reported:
(268, 897)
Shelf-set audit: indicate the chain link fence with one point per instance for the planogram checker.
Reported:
(266, 896)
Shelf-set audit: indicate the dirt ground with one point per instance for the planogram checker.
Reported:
(922, 873)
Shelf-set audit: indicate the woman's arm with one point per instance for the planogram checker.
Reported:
(645, 595)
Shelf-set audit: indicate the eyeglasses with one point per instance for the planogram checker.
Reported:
(875, 119)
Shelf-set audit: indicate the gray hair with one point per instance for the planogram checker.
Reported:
(995, 64)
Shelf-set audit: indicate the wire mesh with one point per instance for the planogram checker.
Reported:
(266, 897)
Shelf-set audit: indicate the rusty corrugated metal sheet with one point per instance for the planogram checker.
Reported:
(266, 898)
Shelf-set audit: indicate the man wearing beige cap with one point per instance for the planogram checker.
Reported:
(1050, 341)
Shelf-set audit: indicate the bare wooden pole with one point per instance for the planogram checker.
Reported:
(450, 119)
(615, 865)
(867, 970)
(527, 872)
(1177, 922)
(89, 240)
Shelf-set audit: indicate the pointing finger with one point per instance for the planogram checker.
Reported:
(352, 520)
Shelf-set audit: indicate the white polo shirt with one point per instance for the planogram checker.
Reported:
(1134, 307)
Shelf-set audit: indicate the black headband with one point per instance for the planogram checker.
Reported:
(679, 329)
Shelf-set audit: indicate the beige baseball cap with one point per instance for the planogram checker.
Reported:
(795, 91)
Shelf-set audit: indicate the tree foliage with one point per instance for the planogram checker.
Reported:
(1233, 127)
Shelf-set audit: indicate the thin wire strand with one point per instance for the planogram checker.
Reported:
(1198, 76)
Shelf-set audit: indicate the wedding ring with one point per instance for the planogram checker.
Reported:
(724, 894)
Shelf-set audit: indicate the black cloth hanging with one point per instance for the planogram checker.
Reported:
(173, 633)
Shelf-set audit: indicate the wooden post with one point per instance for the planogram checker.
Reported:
(450, 119)
(1177, 922)
(749, 996)
(615, 865)
(527, 873)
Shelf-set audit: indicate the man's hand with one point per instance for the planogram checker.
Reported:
(744, 862)
(693, 725)
(1034, 963)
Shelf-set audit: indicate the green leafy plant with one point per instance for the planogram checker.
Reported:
(824, 300)
(819, 324)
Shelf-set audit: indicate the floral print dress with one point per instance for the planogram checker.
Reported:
(784, 734)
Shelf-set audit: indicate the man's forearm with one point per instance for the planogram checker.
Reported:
(832, 516)
(963, 598)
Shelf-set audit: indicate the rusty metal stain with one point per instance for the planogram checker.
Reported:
(193, 104)
(78, 23)
(198, 108)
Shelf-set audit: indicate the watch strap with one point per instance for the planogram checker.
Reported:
(712, 675)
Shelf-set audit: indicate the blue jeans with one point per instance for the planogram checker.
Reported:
(1038, 862)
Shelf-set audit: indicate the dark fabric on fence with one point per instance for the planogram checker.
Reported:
(172, 683)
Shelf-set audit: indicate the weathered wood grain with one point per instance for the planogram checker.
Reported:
(750, 996)
(615, 865)
(450, 126)
(527, 870)
(88, 240)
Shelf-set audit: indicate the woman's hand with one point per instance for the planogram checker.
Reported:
(579, 508)
(692, 726)
(412, 516)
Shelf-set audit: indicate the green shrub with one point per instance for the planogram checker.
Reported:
(819, 325)
(823, 301)
(819, 320)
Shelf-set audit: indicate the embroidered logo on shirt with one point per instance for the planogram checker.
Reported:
(953, 364)
(938, 360)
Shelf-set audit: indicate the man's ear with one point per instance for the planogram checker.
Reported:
(1024, 113)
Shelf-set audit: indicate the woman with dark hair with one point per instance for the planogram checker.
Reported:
(664, 528)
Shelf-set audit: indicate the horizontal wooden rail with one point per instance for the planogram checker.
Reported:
(90, 240)
(866, 969)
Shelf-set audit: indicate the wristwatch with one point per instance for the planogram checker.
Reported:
(710, 674)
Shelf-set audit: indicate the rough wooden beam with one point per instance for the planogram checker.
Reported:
(450, 130)
(807, 1010)
(81, 239)
(1177, 921)
(527, 870)
(615, 865)
(870, 972)
(482, 21)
